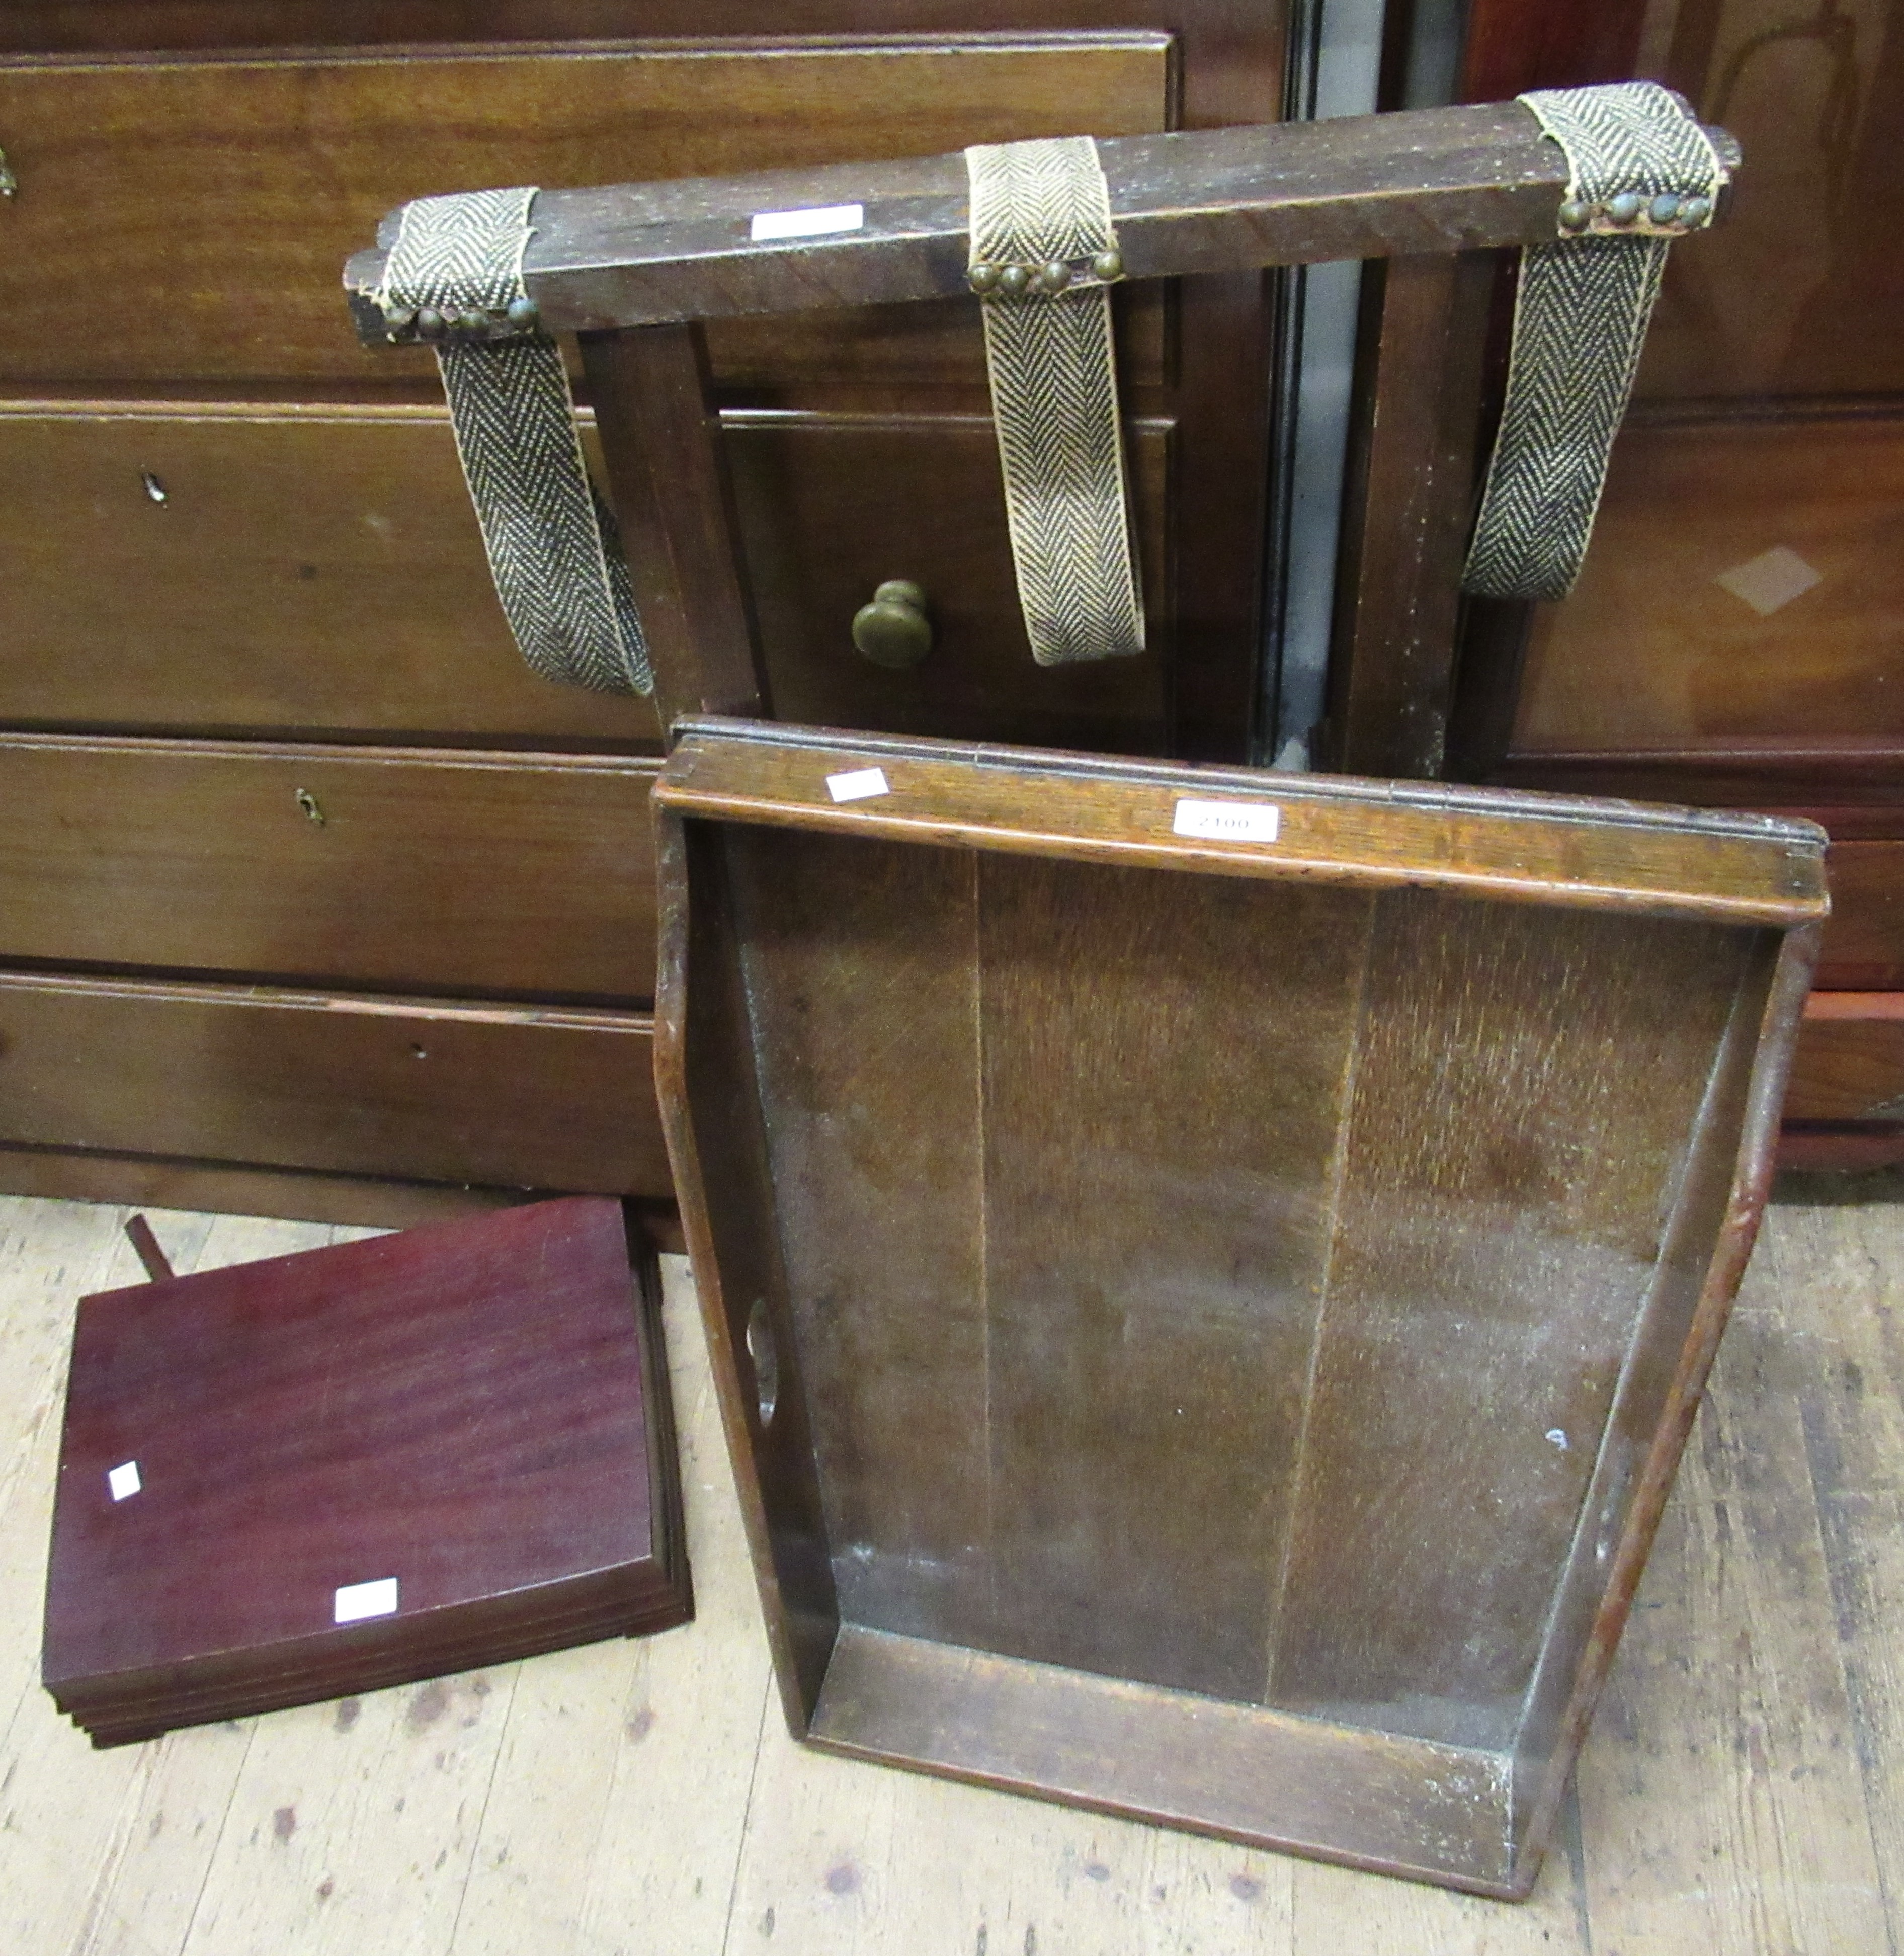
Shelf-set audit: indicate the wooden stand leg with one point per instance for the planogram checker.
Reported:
(660, 433)
(1409, 507)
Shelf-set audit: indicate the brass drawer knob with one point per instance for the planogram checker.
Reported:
(894, 629)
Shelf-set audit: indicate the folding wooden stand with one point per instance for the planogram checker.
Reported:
(1207, 1325)
(1209, 1273)
(633, 269)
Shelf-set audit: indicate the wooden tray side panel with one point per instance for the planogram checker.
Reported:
(1661, 1337)
(1165, 1063)
(1528, 1085)
(861, 982)
(709, 1092)
(1738, 868)
(1396, 1805)
(1690, 1364)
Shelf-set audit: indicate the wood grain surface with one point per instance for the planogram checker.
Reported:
(1864, 946)
(1159, 1166)
(1743, 585)
(498, 1096)
(1742, 869)
(493, 1436)
(765, 1405)
(885, 1286)
(1525, 1086)
(363, 866)
(1407, 512)
(674, 502)
(1219, 200)
(1738, 1793)
(1849, 1063)
(1246, 1290)
(318, 571)
(240, 280)
(377, 1202)
(310, 570)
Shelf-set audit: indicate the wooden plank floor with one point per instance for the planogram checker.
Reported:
(1743, 1791)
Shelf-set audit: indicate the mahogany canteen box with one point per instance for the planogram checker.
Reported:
(323, 1474)
(1209, 1273)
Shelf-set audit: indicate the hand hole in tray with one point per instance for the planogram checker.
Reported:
(766, 1361)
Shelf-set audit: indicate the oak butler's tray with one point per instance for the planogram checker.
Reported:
(1210, 1273)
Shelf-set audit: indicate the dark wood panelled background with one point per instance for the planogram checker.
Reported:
(261, 724)
(1737, 637)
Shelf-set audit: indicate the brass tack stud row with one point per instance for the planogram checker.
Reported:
(1012, 281)
(1632, 210)
(434, 323)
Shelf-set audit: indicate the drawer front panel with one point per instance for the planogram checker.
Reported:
(307, 570)
(1745, 585)
(290, 162)
(1863, 942)
(423, 1091)
(320, 571)
(529, 875)
(1849, 1067)
(831, 507)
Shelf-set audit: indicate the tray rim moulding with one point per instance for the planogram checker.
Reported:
(1747, 891)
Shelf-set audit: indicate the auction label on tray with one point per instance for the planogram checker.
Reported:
(1228, 821)
(861, 784)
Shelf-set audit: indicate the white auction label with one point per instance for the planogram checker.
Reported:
(1228, 821)
(356, 1600)
(124, 1480)
(860, 785)
(769, 225)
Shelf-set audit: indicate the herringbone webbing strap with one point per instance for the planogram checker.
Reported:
(1579, 322)
(553, 547)
(1055, 397)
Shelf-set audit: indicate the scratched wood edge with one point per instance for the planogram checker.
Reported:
(672, 980)
(1187, 201)
(1751, 1187)
(1436, 797)
(1797, 847)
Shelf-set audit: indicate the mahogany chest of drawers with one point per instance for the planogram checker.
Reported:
(312, 898)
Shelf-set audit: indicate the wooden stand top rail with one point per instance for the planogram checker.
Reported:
(1430, 180)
